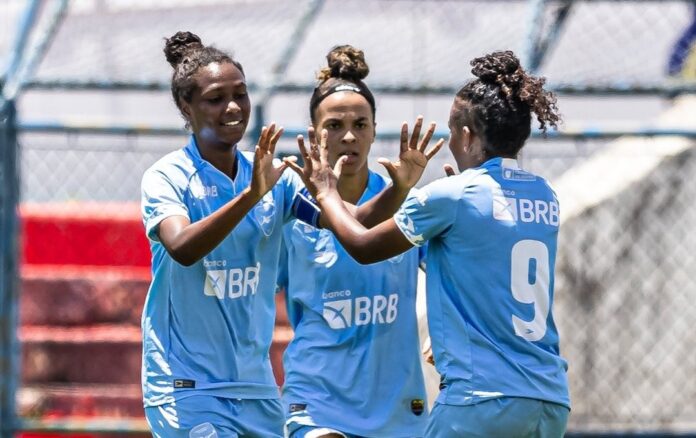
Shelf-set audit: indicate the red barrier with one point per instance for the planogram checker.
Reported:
(83, 234)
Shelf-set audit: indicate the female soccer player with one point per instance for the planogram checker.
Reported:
(214, 218)
(208, 317)
(353, 367)
(492, 233)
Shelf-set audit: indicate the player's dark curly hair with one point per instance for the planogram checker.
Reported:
(345, 66)
(499, 103)
(186, 54)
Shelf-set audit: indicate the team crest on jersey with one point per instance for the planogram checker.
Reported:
(325, 249)
(417, 406)
(264, 213)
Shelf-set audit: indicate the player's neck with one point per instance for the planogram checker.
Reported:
(352, 187)
(224, 160)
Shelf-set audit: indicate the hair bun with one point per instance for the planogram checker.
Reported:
(176, 47)
(345, 62)
(498, 68)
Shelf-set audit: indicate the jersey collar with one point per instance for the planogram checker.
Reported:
(195, 154)
(243, 164)
(508, 163)
(374, 186)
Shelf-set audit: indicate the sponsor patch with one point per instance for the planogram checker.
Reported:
(297, 407)
(517, 175)
(338, 313)
(184, 383)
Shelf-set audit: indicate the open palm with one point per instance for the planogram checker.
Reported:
(413, 158)
(266, 173)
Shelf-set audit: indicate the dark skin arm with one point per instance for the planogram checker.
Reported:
(365, 245)
(188, 242)
(381, 242)
(404, 173)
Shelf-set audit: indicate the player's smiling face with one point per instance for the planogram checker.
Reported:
(347, 117)
(219, 108)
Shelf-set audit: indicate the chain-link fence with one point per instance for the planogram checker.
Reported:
(626, 293)
(625, 290)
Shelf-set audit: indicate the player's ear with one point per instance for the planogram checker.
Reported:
(467, 138)
(185, 109)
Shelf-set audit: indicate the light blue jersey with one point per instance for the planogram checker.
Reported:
(491, 235)
(207, 328)
(353, 364)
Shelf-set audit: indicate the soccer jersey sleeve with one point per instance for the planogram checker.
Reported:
(160, 199)
(427, 212)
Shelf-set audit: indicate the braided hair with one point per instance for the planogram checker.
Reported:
(499, 103)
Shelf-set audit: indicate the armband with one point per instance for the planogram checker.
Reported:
(305, 208)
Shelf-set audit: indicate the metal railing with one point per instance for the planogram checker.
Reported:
(18, 77)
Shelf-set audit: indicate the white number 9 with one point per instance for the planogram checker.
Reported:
(531, 292)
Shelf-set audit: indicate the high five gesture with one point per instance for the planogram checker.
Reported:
(413, 158)
(266, 173)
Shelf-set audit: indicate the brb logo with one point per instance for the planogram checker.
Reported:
(234, 283)
(379, 309)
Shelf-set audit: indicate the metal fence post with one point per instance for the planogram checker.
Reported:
(9, 296)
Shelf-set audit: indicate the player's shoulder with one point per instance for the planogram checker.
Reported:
(546, 185)
(538, 186)
(454, 186)
(175, 160)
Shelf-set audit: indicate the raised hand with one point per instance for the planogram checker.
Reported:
(449, 170)
(413, 158)
(317, 174)
(266, 173)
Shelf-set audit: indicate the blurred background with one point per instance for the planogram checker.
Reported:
(86, 108)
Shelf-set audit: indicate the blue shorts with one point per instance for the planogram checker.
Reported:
(301, 425)
(202, 416)
(315, 431)
(509, 417)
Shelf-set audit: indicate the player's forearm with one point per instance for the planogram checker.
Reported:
(378, 209)
(198, 239)
(354, 237)
(381, 207)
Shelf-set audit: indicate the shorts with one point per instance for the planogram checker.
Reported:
(508, 417)
(314, 432)
(301, 425)
(203, 416)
